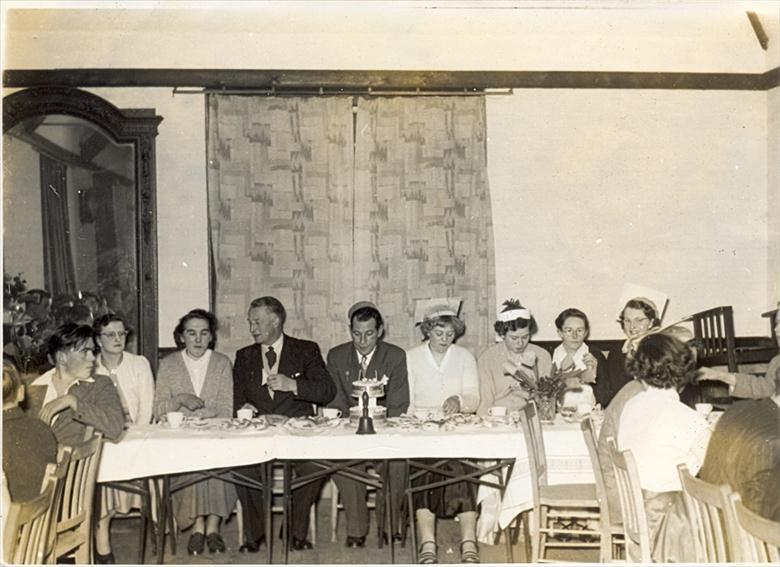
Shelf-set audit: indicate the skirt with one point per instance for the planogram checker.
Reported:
(210, 496)
(446, 501)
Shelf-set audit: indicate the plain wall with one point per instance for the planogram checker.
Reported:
(591, 188)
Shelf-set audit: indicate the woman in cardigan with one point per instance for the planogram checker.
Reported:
(443, 380)
(132, 376)
(515, 325)
(198, 382)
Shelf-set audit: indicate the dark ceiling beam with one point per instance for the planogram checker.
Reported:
(332, 81)
(761, 36)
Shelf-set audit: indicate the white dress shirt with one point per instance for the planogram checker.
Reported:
(197, 368)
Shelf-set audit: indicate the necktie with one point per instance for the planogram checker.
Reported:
(270, 356)
(364, 363)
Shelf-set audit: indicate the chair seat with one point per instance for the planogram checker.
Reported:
(574, 495)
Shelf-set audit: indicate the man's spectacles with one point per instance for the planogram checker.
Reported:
(114, 335)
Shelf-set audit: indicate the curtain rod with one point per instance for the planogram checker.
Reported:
(321, 91)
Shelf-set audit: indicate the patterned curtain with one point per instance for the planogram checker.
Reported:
(280, 212)
(298, 211)
(423, 223)
(58, 266)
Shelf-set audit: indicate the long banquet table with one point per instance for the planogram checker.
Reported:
(155, 450)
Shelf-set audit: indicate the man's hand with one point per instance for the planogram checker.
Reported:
(705, 373)
(282, 383)
(451, 405)
(56, 406)
(189, 401)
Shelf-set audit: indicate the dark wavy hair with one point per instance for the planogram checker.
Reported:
(365, 314)
(196, 314)
(105, 320)
(69, 336)
(645, 307)
(663, 361)
(273, 305)
(571, 312)
(429, 325)
(503, 327)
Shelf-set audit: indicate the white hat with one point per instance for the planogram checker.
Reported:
(654, 298)
(437, 307)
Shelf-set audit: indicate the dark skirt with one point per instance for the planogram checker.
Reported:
(446, 501)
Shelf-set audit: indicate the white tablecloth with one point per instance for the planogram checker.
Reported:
(152, 450)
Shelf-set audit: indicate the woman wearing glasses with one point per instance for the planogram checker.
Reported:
(574, 354)
(132, 377)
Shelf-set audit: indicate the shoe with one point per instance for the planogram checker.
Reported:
(469, 555)
(356, 541)
(196, 543)
(215, 543)
(427, 555)
(300, 544)
(252, 546)
(107, 559)
(397, 537)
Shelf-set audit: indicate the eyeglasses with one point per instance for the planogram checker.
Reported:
(574, 332)
(114, 335)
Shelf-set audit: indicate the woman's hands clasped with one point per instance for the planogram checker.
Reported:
(189, 401)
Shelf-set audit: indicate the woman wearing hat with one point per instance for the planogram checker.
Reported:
(443, 379)
(638, 317)
(515, 325)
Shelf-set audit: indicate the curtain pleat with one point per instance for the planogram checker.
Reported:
(294, 213)
(58, 267)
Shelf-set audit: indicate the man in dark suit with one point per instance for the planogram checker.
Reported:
(368, 355)
(282, 375)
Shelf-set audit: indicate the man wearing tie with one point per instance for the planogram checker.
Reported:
(281, 375)
(369, 356)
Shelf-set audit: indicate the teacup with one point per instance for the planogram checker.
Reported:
(704, 409)
(331, 413)
(174, 418)
(245, 413)
(497, 411)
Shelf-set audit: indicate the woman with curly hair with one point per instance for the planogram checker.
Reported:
(662, 433)
(515, 325)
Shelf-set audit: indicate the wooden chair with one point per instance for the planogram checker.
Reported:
(74, 519)
(29, 523)
(611, 528)
(632, 503)
(59, 474)
(713, 329)
(705, 506)
(757, 539)
(557, 507)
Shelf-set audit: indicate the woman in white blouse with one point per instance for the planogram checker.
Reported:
(443, 379)
(198, 381)
(132, 376)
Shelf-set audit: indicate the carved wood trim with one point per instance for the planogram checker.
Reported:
(136, 127)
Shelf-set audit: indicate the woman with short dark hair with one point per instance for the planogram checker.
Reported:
(198, 381)
(574, 354)
(515, 325)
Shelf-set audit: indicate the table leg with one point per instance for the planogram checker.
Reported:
(267, 480)
(286, 510)
(389, 507)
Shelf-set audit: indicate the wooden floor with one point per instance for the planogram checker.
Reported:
(124, 537)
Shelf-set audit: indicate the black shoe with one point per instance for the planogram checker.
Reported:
(215, 543)
(252, 546)
(356, 541)
(196, 544)
(397, 537)
(107, 559)
(300, 544)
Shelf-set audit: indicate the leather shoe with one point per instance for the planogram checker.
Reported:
(356, 541)
(196, 544)
(397, 537)
(300, 544)
(107, 559)
(252, 546)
